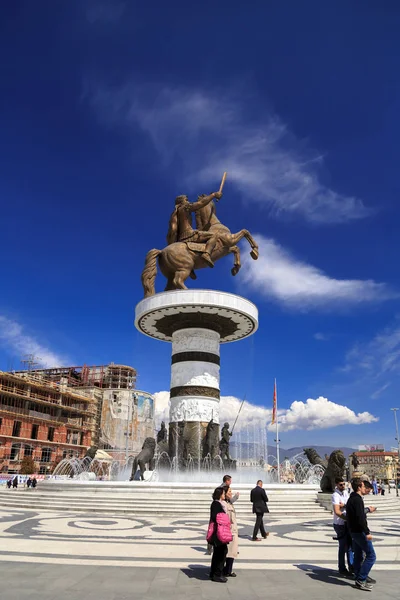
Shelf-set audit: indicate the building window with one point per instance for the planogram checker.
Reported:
(46, 455)
(28, 450)
(16, 429)
(50, 434)
(15, 450)
(64, 454)
(34, 432)
(42, 470)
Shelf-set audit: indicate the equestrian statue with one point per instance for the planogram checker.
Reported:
(190, 249)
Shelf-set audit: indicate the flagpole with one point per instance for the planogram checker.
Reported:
(277, 439)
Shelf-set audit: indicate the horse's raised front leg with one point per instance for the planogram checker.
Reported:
(237, 264)
(244, 233)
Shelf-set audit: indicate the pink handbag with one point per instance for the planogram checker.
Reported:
(224, 532)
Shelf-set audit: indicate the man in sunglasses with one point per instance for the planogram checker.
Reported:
(339, 501)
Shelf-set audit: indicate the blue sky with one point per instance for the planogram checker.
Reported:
(111, 109)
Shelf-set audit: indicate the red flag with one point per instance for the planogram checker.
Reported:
(273, 420)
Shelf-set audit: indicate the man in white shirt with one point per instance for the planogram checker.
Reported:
(339, 501)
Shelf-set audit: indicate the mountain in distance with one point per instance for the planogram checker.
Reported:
(254, 450)
(322, 450)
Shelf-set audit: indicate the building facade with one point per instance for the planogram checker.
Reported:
(42, 420)
(123, 416)
(379, 464)
(127, 420)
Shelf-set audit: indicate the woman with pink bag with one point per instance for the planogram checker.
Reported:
(219, 535)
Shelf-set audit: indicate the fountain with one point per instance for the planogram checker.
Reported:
(196, 323)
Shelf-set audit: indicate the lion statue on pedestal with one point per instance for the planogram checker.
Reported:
(335, 468)
(145, 457)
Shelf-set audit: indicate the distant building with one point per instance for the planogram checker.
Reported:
(124, 416)
(379, 464)
(42, 420)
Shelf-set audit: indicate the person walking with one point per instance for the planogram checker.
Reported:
(9, 483)
(220, 549)
(15, 482)
(28, 482)
(259, 499)
(233, 545)
(361, 536)
(339, 500)
(34, 482)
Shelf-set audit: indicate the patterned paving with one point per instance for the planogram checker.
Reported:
(76, 539)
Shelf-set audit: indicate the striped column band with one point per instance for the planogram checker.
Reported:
(195, 375)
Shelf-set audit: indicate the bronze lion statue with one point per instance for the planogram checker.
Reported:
(314, 458)
(335, 468)
(145, 457)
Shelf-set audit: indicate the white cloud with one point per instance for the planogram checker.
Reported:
(377, 357)
(280, 276)
(13, 338)
(312, 414)
(378, 393)
(321, 337)
(206, 134)
(321, 414)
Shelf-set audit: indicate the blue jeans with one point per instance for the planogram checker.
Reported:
(362, 545)
(344, 540)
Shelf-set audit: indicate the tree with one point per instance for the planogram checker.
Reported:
(28, 466)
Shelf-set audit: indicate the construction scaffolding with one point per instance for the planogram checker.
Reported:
(100, 376)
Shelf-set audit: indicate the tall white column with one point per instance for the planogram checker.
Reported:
(195, 391)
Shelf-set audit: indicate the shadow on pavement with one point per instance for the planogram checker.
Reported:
(199, 572)
(324, 575)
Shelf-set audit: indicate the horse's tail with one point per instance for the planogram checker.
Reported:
(150, 272)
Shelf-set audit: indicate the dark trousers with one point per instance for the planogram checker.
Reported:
(259, 526)
(362, 546)
(218, 560)
(344, 540)
(228, 566)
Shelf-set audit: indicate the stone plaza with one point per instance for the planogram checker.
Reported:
(98, 554)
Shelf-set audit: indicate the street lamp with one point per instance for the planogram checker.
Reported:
(398, 449)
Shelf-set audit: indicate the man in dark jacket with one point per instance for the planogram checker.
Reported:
(259, 499)
(360, 534)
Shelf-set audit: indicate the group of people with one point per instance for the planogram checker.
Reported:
(30, 482)
(352, 532)
(222, 535)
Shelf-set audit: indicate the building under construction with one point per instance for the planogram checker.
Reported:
(42, 420)
(100, 376)
(121, 416)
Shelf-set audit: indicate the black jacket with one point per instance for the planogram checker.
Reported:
(355, 514)
(259, 499)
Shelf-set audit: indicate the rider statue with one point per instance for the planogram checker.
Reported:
(180, 225)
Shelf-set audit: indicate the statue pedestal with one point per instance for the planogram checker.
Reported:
(196, 322)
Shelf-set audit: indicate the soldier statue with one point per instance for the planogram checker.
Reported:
(162, 435)
(224, 443)
(354, 461)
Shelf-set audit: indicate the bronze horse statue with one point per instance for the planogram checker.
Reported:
(180, 260)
